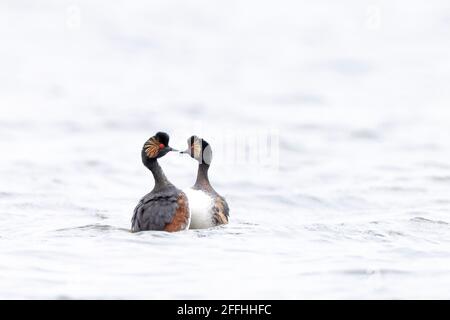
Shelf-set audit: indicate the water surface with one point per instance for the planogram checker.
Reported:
(357, 207)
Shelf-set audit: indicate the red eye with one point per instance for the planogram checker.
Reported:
(161, 146)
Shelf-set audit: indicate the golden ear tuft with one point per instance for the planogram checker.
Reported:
(195, 145)
(151, 147)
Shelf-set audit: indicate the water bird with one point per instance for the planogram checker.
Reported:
(208, 208)
(165, 208)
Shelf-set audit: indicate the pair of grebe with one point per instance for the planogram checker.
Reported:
(168, 208)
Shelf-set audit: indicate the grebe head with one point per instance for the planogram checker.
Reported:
(157, 146)
(199, 149)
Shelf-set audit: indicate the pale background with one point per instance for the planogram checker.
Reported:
(354, 93)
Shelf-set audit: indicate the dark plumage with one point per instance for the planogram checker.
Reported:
(165, 207)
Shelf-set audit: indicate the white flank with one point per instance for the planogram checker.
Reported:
(200, 204)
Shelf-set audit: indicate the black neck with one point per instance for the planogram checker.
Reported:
(202, 182)
(158, 174)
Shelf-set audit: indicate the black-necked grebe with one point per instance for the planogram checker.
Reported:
(208, 208)
(165, 208)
